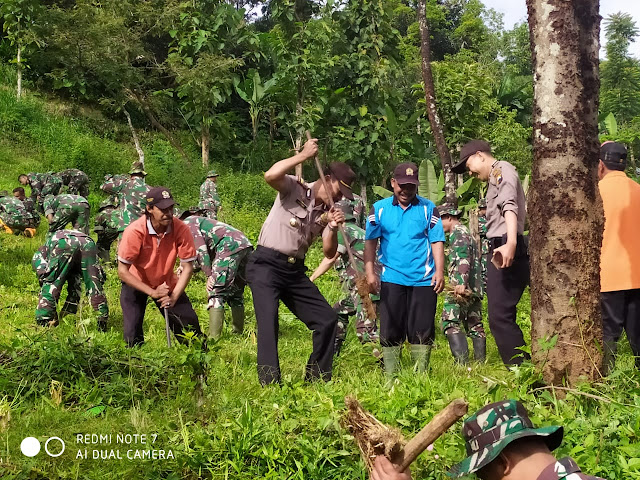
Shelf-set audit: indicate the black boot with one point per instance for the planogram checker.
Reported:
(459, 347)
(479, 349)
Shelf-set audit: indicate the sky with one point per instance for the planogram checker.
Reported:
(516, 11)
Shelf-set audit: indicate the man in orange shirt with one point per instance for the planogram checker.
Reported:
(620, 256)
(146, 258)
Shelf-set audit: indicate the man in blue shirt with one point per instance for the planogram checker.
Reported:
(412, 255)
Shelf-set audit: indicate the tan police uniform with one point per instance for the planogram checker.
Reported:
(505, 285)
(276, 271)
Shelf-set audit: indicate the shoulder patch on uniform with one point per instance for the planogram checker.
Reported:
(496, 174)
(371, 218)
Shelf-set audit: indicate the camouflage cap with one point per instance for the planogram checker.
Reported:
(4, 193)
(482, 203)
(212, 173)
(137, 167)
(449, 209)
(488, 431)
(107, 202)
(347, 208)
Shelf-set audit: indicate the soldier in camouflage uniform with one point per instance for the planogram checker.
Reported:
(107, 234)
(484, 241)
(69, 256)
(77, 181)
(66, 208)
(222, 254)
(131, 193)
(463, 307)
(366, 329)
(42, 184)
(209, 200)
(503, 444)
(500, 436)
(359, 209)
(29, 204)
(14, 217)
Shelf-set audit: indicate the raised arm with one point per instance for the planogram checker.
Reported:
(275, 176)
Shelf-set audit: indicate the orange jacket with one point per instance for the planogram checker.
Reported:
(620, 257)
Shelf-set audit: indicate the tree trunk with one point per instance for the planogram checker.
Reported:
(363, 193)
(146, 109)
(19, 65)
(136, 140)
(566, 209)
(206, 138)
(432, 107)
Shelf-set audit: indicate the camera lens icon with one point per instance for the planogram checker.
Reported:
(54, 446)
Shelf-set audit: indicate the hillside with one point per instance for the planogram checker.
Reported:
(74, 380)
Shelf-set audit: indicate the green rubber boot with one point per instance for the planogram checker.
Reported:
(216, 321)
(420, 355)
(237, 319)
(391, 356)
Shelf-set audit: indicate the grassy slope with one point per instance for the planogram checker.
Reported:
(242, 431)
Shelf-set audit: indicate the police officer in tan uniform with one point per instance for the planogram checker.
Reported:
(508, 258)
(276, 270)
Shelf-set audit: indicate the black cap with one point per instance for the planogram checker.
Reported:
(345, 176)
(613, 155)
(470, 148)
(160, 197)
(406, 173)
(191, 211)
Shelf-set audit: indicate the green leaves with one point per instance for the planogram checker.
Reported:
(428, 187)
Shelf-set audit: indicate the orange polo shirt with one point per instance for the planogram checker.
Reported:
(620, 256)
(152, 256)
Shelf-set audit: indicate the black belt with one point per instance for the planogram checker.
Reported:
(522, 244)
(279, 255)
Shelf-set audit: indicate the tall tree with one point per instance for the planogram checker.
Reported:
(432, 107)
(565, 207)
(620, 72)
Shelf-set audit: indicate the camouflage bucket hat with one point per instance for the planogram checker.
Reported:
(137, 167)
(347, 209)
(212, 173)
(488, 431)
(449, 209)
(4, 193)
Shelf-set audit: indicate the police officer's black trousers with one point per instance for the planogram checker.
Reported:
(271, 279)
(504, 289)
(621, 311)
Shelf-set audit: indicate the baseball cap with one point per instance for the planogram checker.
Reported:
(488, 431)
(160, 197)
(345, 176)
(467, 150)
(613, 155)
(406, 173)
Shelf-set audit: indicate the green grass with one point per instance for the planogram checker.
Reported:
(241, 431)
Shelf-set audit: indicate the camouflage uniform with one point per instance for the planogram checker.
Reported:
(107, 234)
(464, 269)
(484, 244)
(31, 209)
(222, 253)
(77, 181)
(42, 185)
(14, 214)
(366, 329)
(358, 207)
(131, 193)
(209, 199)
(67, 208)
(488, 431)
(69, 256)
